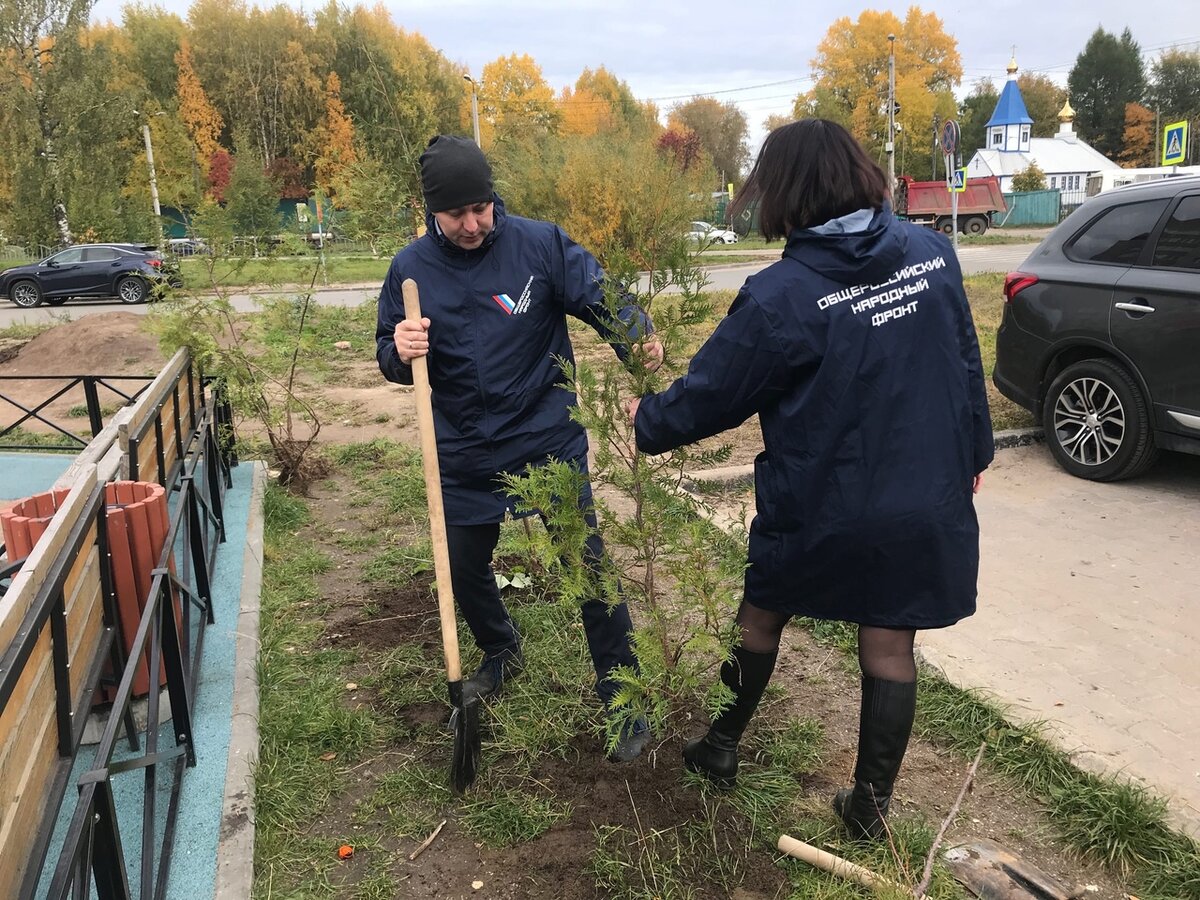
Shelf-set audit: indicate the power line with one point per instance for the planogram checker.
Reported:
(1145, 53)
(749, 87)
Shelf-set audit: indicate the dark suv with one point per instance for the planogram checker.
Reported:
(1101, 331)
(128, 272)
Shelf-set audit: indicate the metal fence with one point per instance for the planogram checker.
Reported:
(1027, 208)
(172, 639)
(13, 437)
(26, 253)
(175, 434)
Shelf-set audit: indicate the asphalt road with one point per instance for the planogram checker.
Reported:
(999, 258)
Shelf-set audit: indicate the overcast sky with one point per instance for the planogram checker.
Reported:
(757, 53)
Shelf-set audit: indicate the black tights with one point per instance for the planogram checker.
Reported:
(884, 653)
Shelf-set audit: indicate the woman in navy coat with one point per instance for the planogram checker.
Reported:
(858, 353)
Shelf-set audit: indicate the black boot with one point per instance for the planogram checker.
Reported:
(493, 672)
(885, 723)
(715, 754)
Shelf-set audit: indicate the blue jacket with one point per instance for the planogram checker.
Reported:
(497, 330)
(858, 352)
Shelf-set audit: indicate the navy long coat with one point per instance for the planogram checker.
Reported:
(858, 352)
(497, 329)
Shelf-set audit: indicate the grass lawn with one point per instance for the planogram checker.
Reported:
(992, 238)
(354, 748)
(986, 295)
(199, 273)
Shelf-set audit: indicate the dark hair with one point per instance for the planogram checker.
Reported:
(807, 173)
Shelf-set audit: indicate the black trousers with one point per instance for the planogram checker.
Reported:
(607, 627)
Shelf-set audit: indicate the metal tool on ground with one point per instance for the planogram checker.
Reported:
(465, 714)
(991, 872)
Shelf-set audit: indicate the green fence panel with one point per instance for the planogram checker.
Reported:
(1030, 208)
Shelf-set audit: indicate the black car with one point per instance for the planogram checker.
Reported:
(1101, 330)
(128, 272)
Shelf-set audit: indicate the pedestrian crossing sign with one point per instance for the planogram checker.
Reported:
(959, 183)
(1174, 143)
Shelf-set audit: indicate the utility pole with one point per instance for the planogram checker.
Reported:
(890, 146)
(150, 163)
(934, 155)
(474, 108)
(153, 177)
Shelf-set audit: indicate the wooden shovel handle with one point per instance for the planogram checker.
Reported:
(842, 868)
(433, 490)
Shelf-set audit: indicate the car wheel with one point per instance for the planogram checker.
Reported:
(946, 226)
(132, 290)
(1097, 422)
(26, 294)
(977, 225)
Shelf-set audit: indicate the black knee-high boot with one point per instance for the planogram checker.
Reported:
(715, 754)
(885, 723)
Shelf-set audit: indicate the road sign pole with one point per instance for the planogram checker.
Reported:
(954, 217)
(950, 140)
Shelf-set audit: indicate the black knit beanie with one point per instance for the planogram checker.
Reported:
(454, 174)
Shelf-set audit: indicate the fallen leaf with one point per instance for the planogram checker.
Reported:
(345, 851)
(351, 686)
(327, 757)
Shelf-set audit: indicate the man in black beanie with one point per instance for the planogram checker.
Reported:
(496, 290)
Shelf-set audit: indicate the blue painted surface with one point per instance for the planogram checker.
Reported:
(1010, 108)
(25, 474)
(194, 858)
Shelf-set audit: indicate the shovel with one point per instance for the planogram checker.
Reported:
(992, 872)
(464, 713)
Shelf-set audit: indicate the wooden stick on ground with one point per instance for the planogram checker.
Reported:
(425, 843)
(927, 876)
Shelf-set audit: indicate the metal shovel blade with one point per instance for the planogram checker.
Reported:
(467, 743)
(991, 872)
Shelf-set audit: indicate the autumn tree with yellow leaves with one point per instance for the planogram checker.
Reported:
(201, 118)
(513, 98)
(334, 138)
(851, 81)
(1138, 139)
(584, 114)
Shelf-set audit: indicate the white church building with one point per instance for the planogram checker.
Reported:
(1066, 159)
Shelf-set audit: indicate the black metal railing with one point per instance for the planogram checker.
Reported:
(169, 642)
(69, 440)
(172, 642)
(48, 609)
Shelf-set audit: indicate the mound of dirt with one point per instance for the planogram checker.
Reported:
(111, 343)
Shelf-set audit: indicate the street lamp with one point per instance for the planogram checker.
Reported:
(474, 108)
(890, 146)
(153, 178)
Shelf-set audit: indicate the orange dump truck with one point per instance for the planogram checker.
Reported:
(929, 203)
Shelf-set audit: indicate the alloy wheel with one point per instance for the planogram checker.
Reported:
(1089, 421)
(26, 293)
(131, 290)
